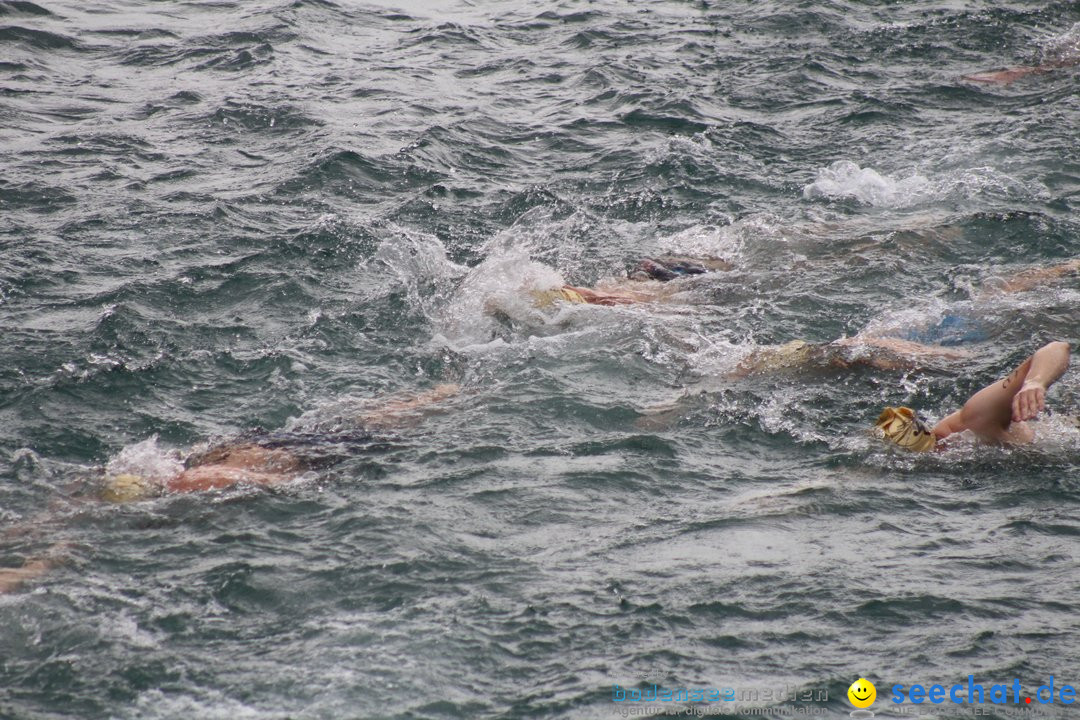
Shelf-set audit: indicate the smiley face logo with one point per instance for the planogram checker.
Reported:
(862, 693)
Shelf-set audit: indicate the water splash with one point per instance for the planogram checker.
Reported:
(418, 262)
(146, 459)
(726, 241)
(845, 179)
(1064, 48)
(501, 285)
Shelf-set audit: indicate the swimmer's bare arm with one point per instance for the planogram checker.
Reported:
(1037, 276)
(1019, 397)
(1004, 77)
(602, 297)
(398, 408)
(12, 578)
(622, 291)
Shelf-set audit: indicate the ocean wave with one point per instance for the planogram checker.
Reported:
(37, 39)
(21, 7)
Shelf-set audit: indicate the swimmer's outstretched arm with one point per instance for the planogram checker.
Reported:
(1034, 277)
(609, 297)
(12, 578)
(1004, 77)
(901, 353)
(397, 408)
(1019, 397)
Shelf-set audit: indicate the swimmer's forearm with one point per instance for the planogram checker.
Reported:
(1003, 77)
(12, 578)
(599, 297)
(399, 407)
(1032, 278)
(1048, 364)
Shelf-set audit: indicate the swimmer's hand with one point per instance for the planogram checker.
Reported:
(1029, 402)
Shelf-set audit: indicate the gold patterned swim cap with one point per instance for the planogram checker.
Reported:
(782, 357)
(127, 487)
(901, 426)
(544, 298)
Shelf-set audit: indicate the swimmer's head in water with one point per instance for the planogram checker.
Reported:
(127, 487)
(545, 298)
(672, 267)
(790, 355)
(902, 426)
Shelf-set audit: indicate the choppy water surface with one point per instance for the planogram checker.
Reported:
(216, 216)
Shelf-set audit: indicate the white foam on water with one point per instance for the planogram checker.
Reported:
(502, 284)
(565, 243)
(781, 413)
(146, 459)
(1063, 48)
(1057, 434)
(844, 179)
(716, 359)
(213, 705)
(418, 262)
(125, 629)
(463, 303)
(713, 241)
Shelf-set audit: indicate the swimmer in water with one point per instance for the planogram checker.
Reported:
(254, 458)
(648, 280)
(270, 458)
(1011, 75)
(1064, 53)
(999, 413)
(881, 353)
(961, 328)
(941, 341)
(645, 282)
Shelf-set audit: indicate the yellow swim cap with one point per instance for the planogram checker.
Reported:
(782, 357)
(544, 298)
(901, 426)
(127, 488)
(791, 354)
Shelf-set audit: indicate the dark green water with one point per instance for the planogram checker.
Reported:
(216, 216)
